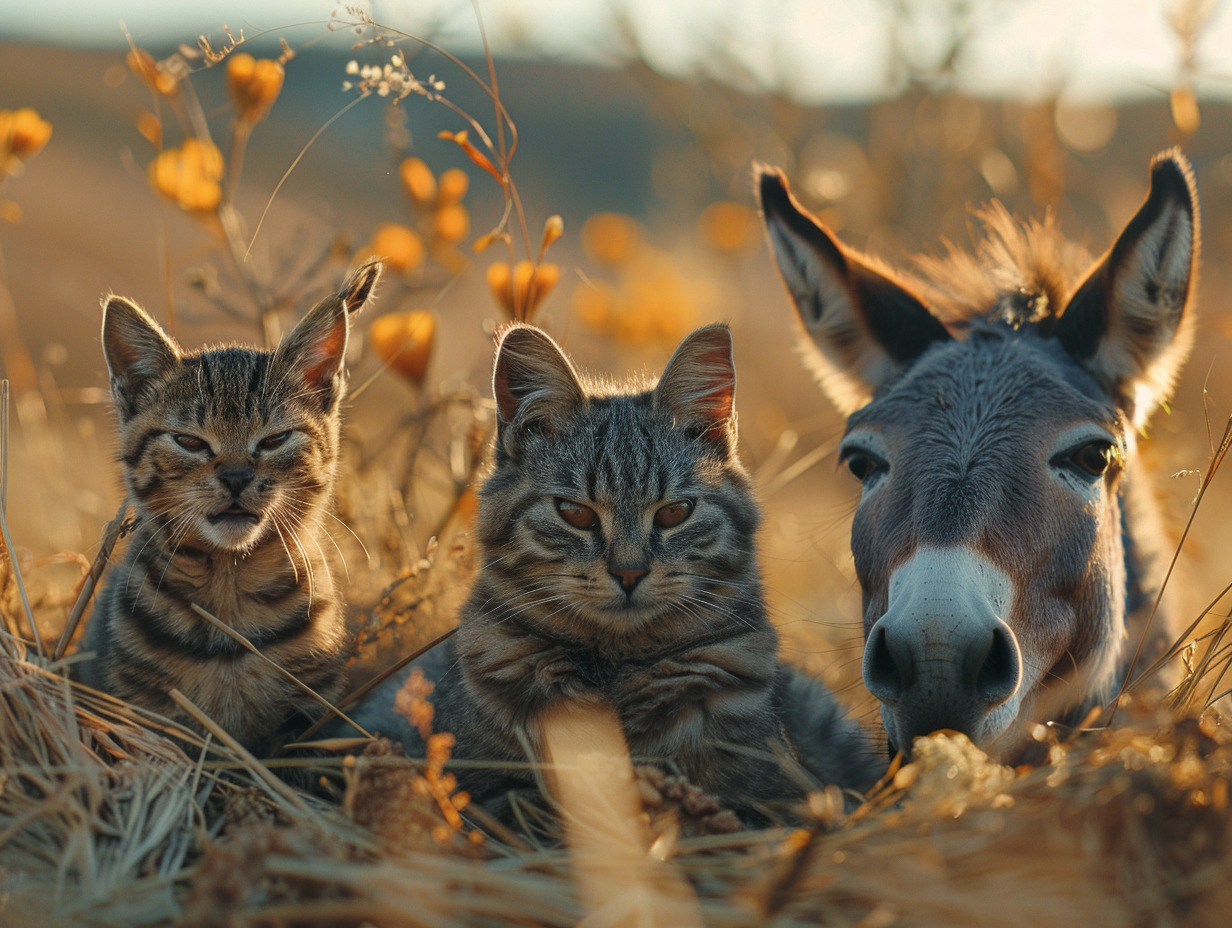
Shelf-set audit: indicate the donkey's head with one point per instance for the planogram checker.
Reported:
(992, 417)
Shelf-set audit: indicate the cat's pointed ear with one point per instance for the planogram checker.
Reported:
(358, 289)
(867, 326)
(534, 384)
(1129, 322)
(315, 349)
(698, 386)
(138, 352)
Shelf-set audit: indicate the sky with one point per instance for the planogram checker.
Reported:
(814, 50)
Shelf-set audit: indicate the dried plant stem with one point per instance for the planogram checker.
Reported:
(116, 529)
(1129, 680)
(249, 646)
(257, 768)
(4, 524)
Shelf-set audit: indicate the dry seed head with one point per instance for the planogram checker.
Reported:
(553, 229)
(417, 181)
(404, 341)
(254, 85)
(23, 133)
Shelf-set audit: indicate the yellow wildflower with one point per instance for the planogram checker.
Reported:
(404, 341)
(400, 246)
(417, 181)
(189, 176)
(23, 133)
(254, 85)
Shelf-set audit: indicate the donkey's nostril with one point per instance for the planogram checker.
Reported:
(888, 671)
(1001, 669)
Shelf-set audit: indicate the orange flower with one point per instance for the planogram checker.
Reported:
(401, 247)
(609, 237)
(454, 184)
(155, 75)
(452, 223)
(472, 152)
(520, 290)
(23, 133)
(417, 181)
(189, 176)
(1185, 114)
(254, 85)
(404, 341)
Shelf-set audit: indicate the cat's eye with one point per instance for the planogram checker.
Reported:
(190, 442)
(673, 514)
(576, 514)
(277, 440)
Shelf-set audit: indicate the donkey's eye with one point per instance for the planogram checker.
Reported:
(1095, 457)
(277, 440)
(190, 442)
(673, 514)
(862, 464)
(577, 515)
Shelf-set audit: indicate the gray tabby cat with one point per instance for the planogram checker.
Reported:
(229, 457)
(616, 534)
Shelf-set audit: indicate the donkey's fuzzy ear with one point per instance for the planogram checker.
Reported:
(698, 386)
(868, 326)
(534, 384)
(136, 349)
(1129, 322)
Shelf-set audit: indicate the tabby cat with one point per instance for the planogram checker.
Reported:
(229, 457)
(616, 536)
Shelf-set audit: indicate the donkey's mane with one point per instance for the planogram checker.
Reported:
(1019, 272)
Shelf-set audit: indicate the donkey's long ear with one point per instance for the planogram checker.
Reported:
(137, 351)
(867, 326)
(698, 386)
(534, 384)
(1129, 322)
(315, 349)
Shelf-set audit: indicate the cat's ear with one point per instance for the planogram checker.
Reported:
(136, 349)
(534, 384)
(357, 290)
(867, 325)
(1129, 322)
(698, 386)
(315, 349)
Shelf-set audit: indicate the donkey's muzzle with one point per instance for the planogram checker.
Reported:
(941, 656)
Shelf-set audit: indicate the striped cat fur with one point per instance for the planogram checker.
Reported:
(617, 543)
(229, 457)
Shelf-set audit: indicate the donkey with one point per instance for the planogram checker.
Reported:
(1004, 538)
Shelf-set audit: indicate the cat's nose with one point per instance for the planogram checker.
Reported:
(629, 577)
(236, 479)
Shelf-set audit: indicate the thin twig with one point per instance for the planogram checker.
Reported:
(117, 528)
(245, 643)
(4, 524)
